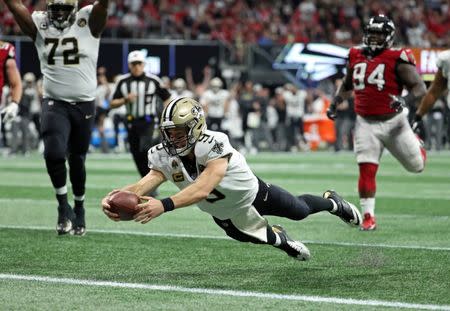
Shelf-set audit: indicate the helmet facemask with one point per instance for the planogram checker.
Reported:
(182, 124)
(61, 13)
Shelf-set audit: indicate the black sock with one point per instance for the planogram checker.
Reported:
(79, 208)
(79, 204)
(271, 236)
(317, 204)
(62, 199)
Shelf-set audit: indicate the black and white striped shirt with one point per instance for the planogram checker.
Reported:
(150, 94)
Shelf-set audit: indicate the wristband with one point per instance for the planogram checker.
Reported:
(168, 204)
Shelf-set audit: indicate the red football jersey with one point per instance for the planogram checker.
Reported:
(375, 78)
(7, 51)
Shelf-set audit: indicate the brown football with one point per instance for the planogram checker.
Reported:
(124, 203)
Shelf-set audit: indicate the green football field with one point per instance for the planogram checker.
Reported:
(183, 261)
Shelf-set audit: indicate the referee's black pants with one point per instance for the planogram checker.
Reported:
(66, 131)
(140, 138)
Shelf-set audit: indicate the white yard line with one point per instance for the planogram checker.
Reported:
(194, 236)
(219, 292)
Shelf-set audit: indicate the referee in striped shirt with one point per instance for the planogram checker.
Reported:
(144, 98)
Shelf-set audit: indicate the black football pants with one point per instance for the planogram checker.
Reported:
(275, 201)
(66, 130)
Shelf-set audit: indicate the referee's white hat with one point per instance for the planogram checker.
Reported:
(136, 56)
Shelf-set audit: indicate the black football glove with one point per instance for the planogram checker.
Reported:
(418, 127)
(397, 103)
(332, 109)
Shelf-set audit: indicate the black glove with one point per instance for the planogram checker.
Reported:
(397, 103)
(332, 109)
(418, 127)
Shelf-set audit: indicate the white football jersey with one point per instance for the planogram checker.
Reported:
(68, 58)
(295, 103)
(184, 93)
(443, 63)
(215, 102)
(234, 194)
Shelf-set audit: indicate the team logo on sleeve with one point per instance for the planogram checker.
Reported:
(407, 56)
(81, 22)
(217, 148)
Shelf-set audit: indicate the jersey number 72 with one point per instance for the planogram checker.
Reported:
(70, 54)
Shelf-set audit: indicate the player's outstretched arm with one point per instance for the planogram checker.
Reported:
(15, 82)
(203, 186)
(147, 184)
(22, 17)
(205, 183)
(437, 88)
(343, 92)
(410, 78)
(98, 18)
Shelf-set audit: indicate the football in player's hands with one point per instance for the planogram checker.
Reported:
(124, 203)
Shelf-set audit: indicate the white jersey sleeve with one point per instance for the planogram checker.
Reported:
(443, 63)
(68, 57)
(234, 194)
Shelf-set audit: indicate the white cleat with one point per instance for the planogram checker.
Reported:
(294, 249)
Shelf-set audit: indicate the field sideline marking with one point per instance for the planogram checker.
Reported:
(218, 292)
(212, 237)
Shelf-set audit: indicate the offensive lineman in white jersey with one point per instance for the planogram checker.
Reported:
(210, 173)
(440, 83)
(67, 42)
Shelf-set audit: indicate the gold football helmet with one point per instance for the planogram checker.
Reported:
(61, 13)
(182, 124)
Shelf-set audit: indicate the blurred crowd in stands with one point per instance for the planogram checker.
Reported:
(256, 118)
(421, 23)
(282, 118)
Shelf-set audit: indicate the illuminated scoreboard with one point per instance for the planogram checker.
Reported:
(318, 61)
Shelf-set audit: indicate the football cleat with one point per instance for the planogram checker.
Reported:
(79, 230)
(345, 210)
(368, 223)
(64, 224)
(293, 248)
(79, 224)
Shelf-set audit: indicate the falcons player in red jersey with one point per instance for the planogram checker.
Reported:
(377, 74)
(9, 73)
